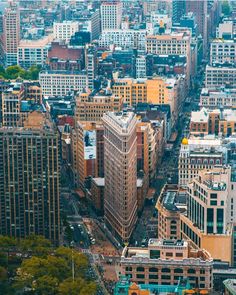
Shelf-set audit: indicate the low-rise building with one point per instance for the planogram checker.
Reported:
(65, 30)
(124, 38)
(197, 154)
(60, 83)
(171, 203)
(91, 107)
(218, 121)
(218, 76)
(230, 287)
(33, 52)
(223, 97)
(165, 261)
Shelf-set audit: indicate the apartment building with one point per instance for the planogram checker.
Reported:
(163, 262)
(65, 30)
(210, 214)
(218, 121)
(29, 179)
(125, 39)
(170, 91)
(91, 107)
(223, 52)
(120, 167)
(111, 13)
(217, 98)
(11, 33)
(197, 153)
(33, 52)
(87, 151)
(174, 43)
(219, 76)
(171, 203)
(60, 83)
(11, 104)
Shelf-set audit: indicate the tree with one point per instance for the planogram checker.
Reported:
(12, 72)
(46, 285)
(56, 269)
(37, 245)
(3, 259)
(78, 287)
(3, 274)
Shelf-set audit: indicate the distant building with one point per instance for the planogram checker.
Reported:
(223, 52)
(217, 98)
(11, 34)
(111, 13)
(29, 190)
(59, 83)
(218, 121)
(91, 107)
(65, 57)
(65, 30)
(33, 52)
(125, 39)
(220, 75)
(120, 170)
(197, 154)
(158, 90)
(163, 262)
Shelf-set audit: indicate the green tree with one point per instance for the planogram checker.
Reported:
(3, 274)
(78, 287)
(3, 259)
(37, 245)
(12, 72)
(46, 285)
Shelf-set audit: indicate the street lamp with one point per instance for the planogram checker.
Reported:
(72, 261)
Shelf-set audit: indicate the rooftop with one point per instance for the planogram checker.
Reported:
(230, 285)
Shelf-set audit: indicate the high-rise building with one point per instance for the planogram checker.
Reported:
(29, 179)
(11, 34)
(210, 214)
(120, 169)
(111, 13)
(199, 8)
(178, 7)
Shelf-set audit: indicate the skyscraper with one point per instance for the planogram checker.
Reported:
(120, 169)
(11, 33)
(29, 179)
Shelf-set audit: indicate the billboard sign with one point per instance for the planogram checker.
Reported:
(89, 144)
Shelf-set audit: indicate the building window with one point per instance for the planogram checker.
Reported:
(140, 269)
(178, 270)
(166, 270)
(153, 269)
(191, 270)
(140, 276)
(165, 277)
